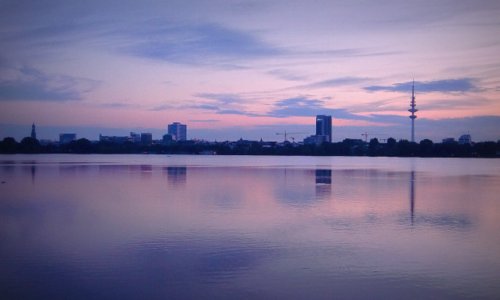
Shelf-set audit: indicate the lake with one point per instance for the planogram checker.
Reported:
(248, 227)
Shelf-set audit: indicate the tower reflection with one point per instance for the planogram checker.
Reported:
(412, 196)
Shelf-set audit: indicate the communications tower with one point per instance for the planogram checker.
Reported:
(413, 110)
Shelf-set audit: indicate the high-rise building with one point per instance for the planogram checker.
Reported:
(33, 131)
(324, 127)
(178, 131)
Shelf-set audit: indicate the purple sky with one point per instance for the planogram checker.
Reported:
(250, 69)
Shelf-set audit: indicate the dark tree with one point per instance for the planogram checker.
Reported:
(30, 145)
(406, 148)
(9, 145)
(487, 149)
(373, 147)
(391, 148)
(426, 148)
(81, 146)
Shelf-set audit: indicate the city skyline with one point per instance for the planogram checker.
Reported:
(176, 132)
(250, 69)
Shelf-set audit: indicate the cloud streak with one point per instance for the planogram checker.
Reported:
(333, 82)
(286, 75)
(224, 104)
(462, 85)
(305, 107)
(31, 84)
(218, 103)
(197, 44)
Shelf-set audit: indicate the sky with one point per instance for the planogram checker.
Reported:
(250, 69)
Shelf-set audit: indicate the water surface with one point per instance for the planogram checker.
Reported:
(226, 227)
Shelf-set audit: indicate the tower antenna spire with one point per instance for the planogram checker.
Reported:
(413, 110)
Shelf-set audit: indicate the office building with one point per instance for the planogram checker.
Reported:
(135, 137)
(464, 139)
(324, 127)
(178, 131)
(146, 138)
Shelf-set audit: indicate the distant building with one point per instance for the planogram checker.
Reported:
(114, 139)
(315, 139)
(448, 141)
(135, 137)
(324, 127)
(178, 131)
(66, 138)
(146, 138)
(33, 131)
(45, 142)
(464, 139)
(167, 138)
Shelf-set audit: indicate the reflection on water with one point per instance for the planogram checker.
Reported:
(412, 196)
(323, 183)
(323, 176)
(99, 230)
(33, 173)
(177, 175)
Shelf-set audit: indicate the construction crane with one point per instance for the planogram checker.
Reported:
(285, 134)
(366, 134)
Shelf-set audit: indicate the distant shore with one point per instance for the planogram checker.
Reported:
(348, 147)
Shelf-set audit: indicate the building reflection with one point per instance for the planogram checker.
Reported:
(113, 169)
(323, 176)
(146, 171)
(303, 187)
(146, 168)
(177, 176)
(323, 179)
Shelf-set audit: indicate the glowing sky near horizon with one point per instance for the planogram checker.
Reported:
(250, 68)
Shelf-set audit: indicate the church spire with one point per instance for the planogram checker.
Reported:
(33, 131)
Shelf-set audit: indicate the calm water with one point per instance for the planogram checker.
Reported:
(218, 227)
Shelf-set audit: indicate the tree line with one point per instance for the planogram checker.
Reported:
(347, 147)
